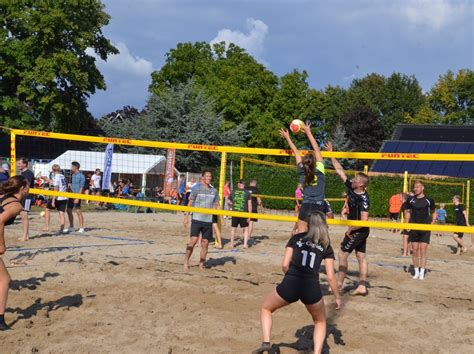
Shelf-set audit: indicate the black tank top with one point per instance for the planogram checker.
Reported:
(12, 219)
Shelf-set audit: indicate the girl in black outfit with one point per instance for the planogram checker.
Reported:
(304, 254)
(11, 195)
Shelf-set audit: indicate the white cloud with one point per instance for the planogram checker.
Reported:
(125, 62)
(252, 41)
(434, 13)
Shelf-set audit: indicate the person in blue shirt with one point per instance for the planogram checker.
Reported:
(77, 186)
(442, 214)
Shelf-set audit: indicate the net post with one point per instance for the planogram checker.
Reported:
(241, 176)
(468, 194)
(12, 153)
(221, 195)
(405, 190)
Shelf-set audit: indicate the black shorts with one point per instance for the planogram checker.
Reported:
(242, 222)
(394, 216)
(214, 219)
(26, 203)
(294, 288)
(460, 234)
(308, 208)
(60, 205)
(256, 212)
(419, 236)
(72, 205)
(96, 190)
(203, 228)
(357, 242)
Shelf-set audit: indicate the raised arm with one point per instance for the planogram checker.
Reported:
(314, 143)
(286, 135)
(337, 166)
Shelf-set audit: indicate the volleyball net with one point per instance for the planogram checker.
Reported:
(148, 168)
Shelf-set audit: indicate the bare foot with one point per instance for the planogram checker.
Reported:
(45, 229)
(186, 267)
(201, 266)
(464, 250)
(246, 246)
(360, 291)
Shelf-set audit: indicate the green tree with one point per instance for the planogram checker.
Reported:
(340, 142)
(46, 73)
(182, 114)
(240, 87)
(424, 115)
(452, 97)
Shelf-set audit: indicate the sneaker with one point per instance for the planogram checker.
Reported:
(416, 276)
(421, 277)
(68, 229)
(81, 230)
(4, 327)
(265, 347)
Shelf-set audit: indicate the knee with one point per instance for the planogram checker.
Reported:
(5, 280)
(360, 256)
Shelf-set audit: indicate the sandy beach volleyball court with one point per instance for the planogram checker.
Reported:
(121, 288)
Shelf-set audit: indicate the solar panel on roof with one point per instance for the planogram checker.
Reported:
(464, 169)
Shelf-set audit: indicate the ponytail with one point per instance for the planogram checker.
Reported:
(13, 185)
(318, 232)
(309, 162)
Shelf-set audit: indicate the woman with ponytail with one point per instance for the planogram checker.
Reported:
(12, 192)
(311, 175)
(304, 254)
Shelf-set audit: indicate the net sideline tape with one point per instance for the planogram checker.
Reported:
(145, 204)
(244, 150)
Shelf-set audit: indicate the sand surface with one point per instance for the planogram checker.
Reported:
(120, 288)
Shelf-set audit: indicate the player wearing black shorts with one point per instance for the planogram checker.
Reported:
(22, 165)
(202, 196)
(240, 201)
(304, 254)
(312, 177)
(461, 220)
(355, 237)
(418, 209)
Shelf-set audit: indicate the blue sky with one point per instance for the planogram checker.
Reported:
(335, 41)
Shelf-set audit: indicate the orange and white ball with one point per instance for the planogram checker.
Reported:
(296, 126)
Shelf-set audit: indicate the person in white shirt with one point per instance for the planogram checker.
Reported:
(59, 203)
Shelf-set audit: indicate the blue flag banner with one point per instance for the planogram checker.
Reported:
(107, 177)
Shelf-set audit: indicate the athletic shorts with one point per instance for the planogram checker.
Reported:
(72, 205)
(421, 236)
(357, 242)
(242, 222)
(394, 216)
(96, 190)
(308, 208)
(26, 203)
(201, 228)
(293, 288)
(60, 205)
(256, 212)
(441, 222)
(214, 219)
(460, 234)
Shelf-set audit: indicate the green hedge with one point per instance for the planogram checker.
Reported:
(279, 181)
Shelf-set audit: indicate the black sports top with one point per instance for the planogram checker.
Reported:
(420, 209)
(460, 217)
(307, 257)
(12, 219)
(357, 202)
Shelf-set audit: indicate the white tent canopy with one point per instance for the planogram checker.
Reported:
(137, 164)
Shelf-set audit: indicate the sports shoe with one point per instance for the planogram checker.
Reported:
(81, 230)
(68, 229)
(416, 276)
(4, 327)
(265, 347)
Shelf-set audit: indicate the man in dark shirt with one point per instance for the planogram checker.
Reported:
(240, 201)
(462, 219)
(22, 165)
(355, 237)
(419, 209)
(256, 202)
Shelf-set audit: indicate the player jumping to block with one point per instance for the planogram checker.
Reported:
(312, 177)
(204, 196)
(304, 254)
(355, 236)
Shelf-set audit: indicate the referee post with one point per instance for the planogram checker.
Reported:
(221, 195)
